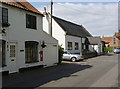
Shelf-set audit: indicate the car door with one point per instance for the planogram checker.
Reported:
(66, 55)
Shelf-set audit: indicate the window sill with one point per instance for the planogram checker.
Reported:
(4, 65)
(32, 28)
(31, 62)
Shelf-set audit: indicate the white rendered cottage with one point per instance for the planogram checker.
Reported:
(23, 43)
(95, 44)
(71, 36)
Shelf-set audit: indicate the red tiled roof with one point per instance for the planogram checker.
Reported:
(106, 39)
(22, 5)
(117, 34)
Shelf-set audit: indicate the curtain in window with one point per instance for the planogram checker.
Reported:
(69, 45)
(76, 46)
(4, 15)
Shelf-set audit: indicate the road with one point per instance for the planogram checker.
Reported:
(101, 71)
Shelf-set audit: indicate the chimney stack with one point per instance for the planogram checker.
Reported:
(44, 11)
(103, 36)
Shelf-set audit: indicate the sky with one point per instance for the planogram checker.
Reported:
(99, 18)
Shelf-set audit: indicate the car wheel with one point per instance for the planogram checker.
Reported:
(73, 59)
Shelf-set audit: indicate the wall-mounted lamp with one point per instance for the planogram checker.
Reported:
(3, 31)
(43, 45)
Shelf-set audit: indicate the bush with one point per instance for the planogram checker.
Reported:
(110, 49)
(60, 53)
(88, 54)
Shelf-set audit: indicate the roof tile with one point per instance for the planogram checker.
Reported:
(23, 5)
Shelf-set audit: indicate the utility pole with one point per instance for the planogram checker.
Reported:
(51, 17)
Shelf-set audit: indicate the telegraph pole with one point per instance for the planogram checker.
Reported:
(51, 17)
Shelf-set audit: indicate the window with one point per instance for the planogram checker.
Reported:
(31, 21)
(65, 52)
(69, 45)
(31, 51)
(12, 51)
(76, 46)
(4, 15)
(3, 51)
(114, 40)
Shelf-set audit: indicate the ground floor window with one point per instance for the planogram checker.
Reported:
(76, 46)
(69, 45)
(3, 51)
(31, 51)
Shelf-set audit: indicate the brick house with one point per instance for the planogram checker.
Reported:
(113, 41)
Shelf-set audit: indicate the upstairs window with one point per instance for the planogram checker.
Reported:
(4, 15)
(31, 21)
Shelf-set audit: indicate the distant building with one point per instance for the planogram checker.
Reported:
(113, 41)
(73, 37)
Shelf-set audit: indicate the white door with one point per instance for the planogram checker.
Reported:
(13, 57)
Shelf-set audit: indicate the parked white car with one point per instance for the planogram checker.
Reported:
(73, 57)
(116, 50)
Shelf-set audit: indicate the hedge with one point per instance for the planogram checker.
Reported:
(60, 53)
(110, 49)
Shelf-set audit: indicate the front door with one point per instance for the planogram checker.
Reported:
(13, 57)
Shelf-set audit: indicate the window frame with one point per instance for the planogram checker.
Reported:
(70, 46)
(31, 52)
(31, 21)
(4, 15)
(3, 49)
(76, 48)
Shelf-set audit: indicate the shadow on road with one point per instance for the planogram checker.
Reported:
(38, 77)
(109, 54)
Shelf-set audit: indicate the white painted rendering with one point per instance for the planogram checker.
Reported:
(97, 47)
(18, 33)
(50, 53)
(60, 35)
(63, 39)
(57, 33)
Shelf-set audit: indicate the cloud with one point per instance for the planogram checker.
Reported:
(98, 18)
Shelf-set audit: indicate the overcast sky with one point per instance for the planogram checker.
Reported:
(98, 18)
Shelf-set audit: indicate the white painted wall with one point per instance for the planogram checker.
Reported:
(97, 47)
(61, 36)
(18, 32)
(50, 53)
(57, 33)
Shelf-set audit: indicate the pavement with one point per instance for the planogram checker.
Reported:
(101, 71)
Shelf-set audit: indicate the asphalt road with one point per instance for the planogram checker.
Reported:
(101, 71)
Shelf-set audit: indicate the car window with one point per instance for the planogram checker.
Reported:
(65, 52)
